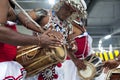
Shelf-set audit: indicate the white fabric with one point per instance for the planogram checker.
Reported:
(84, 4)
(32, 78)
(118, 66)
(101, 77)
(10, 23)
(11, 69)
(67, 71)
(84, 34)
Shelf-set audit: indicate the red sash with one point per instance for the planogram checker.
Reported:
(7, 51)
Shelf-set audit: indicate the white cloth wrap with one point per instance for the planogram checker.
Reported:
(11, 69)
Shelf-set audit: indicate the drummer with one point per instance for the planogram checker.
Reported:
(59, 15)
(10, 38)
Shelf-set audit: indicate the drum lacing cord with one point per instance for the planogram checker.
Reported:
(86, 40)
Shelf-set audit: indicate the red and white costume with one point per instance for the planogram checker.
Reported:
(10, 69)
(66, 70)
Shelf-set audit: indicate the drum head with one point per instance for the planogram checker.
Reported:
(88, 73)
(60, 53)
(96, 62)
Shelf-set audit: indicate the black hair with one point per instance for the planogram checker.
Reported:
(12, 4)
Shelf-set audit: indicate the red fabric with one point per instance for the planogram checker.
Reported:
(40, 77)
(82, 45)
(55, 76)
(42, 74)
(59, 64)
(67, 58)
(7, 51)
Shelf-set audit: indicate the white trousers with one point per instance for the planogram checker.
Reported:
(11, 70)
(69, 72)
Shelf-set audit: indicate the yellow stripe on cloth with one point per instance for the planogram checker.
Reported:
(111, 55)
(101, 55)
(97, 54)
(105, 56)
(116, 52)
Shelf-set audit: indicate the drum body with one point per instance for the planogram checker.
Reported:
(35, 59)
(93, 68)
(113, 74)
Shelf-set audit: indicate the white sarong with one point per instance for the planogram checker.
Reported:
(11, 70)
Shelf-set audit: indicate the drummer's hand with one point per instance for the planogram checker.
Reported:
(51, 38)
(111, 64)
(80, 64)
(55, 34)
(72, 46)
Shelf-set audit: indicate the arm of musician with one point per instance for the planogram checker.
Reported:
(4, 7)
(37, 15)
(112, 63)
(78, 62)
(9, 36)
(27, 22)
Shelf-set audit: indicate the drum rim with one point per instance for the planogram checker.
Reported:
(61, 58)
(93, 73)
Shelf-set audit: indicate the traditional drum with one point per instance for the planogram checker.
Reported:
(93, 68)
(36, 59)
(113, 74)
